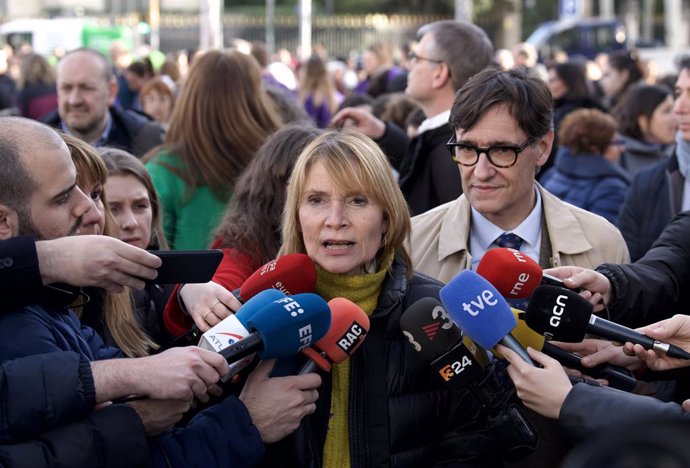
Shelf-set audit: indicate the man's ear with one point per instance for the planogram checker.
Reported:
(544, 145)
(441, 75)
(112, 90)
(9, 222)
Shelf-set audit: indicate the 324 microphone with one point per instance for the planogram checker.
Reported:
(481, 312)
(564, 315)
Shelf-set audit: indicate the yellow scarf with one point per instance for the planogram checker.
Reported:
(364, 291)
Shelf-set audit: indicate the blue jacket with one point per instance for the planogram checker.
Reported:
(222, 435)
(587, 181)
(655, 196)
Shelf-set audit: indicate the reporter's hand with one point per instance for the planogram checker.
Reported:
(208, 303)
(596, 287)
(101, 261)
(542, 390)
(595, 352)
(158, 416)
(278, 404)
(361, 121)
(676, 331)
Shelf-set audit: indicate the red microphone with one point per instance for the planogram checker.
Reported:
(514, 274)
(292, 274)
(349, 327)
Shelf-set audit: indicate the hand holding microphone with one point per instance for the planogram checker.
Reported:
(675, 330)
(563, 315)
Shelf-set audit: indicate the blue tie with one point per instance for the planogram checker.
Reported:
(509, 240)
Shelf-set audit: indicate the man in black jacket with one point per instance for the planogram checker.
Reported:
(86, 89)
(447, 55)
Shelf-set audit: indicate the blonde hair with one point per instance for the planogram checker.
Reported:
(353, 161)
(317, 82)
(119, 307)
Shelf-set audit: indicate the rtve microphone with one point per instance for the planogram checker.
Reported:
(564, 315)
(514, 274)
(481, 312)
(349, 328)
(291, 274)
(282, 327)
(618, 377)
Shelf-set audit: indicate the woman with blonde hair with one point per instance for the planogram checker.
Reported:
(38, 95)
(221, 118)
(112, 315)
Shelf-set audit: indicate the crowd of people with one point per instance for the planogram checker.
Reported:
(392, 177)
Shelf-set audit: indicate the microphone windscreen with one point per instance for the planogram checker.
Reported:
(512, 273)
(291, 274)
(558, 314)
(349, 327)
(429, 328)
(477, 308)
(290, 324)
(256, 303)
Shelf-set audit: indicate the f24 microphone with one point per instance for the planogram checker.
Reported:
(481, 312)
(514, 274)
(290, 274)
(564, 315)
(349, 328)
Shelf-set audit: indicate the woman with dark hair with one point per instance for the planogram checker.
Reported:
(249, 233)
(38, 95)
(585, 173)
(317, 91)
(220, 119)
(647, 125)
(622, 69)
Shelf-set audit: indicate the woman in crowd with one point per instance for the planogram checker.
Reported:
(38, 95)
(384, 406)
(647, 125)
(249, 234)
(158, 100)
(622, 69)
(317, 91)
(112, 315)
(136, 214)
(586, 173)
(221, 118)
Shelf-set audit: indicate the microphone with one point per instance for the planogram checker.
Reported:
(291, 274)
(564, 315)
(234, 328)
(460, 363)
(282, 327)
(618, 377)
(478, 309)
(349, 328)
(514, 274)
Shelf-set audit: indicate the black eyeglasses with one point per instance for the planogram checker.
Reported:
(412, 57)
(466, 154)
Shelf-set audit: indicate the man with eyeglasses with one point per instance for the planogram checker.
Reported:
(502, 123)
(502, 135)
(447, 55)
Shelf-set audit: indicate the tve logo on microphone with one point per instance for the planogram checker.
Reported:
(483, 299)
(351, 337)
(295, 309)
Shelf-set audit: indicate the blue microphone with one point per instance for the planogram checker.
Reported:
(283, 327)
(481, 312)
(256, 303)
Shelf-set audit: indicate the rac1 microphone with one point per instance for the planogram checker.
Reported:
(349, 328)
(282, 327)
(291, 274)
(564, 315)
(481, 312)
(618, 377)
(514, 274)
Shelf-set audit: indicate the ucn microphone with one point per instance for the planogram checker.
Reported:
(349, 327)
(564, 315)
(514, 274)
(618, 377)
(481, 312)
(282, 327)
(290, 274)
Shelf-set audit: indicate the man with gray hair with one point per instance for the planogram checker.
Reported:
(447, 55)
(87, 88)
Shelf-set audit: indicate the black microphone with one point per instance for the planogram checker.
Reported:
(564, 315)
